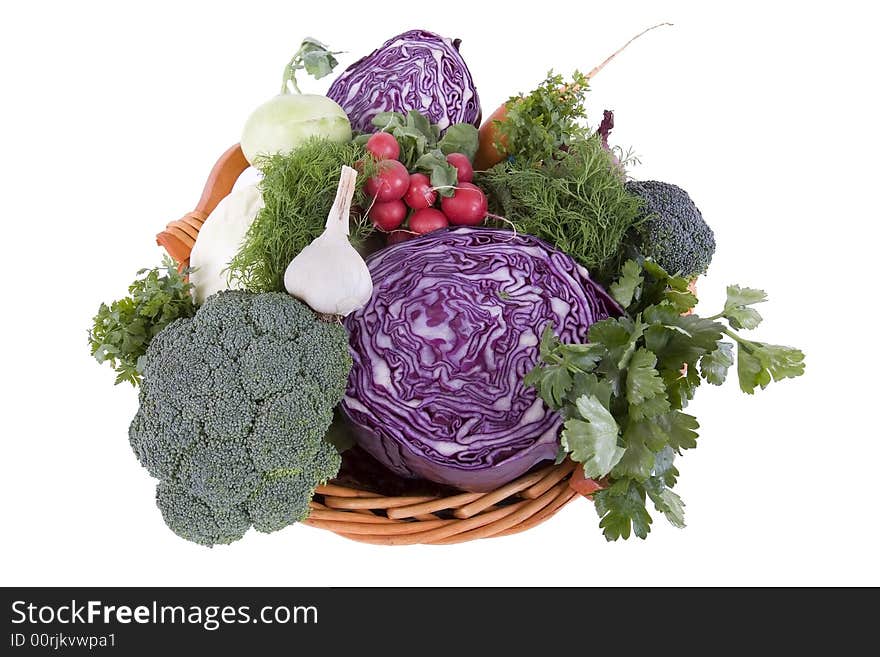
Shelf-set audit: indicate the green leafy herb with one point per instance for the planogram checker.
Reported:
(624, 392)
(576, 202)
(298, 190)
(313, 56)
(540, 124)
(593, 440)
(121, 332)
(625, 287)
(738, 310)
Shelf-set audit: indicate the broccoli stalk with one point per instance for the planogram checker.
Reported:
(671, 230)
(234, 406)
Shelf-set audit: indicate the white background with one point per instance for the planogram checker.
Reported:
(113, 115)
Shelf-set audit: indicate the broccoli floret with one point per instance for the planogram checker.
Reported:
(234, 406)
(672, 231)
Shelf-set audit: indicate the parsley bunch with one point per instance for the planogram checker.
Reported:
(122, 331)
(540, 125)
(623, 393)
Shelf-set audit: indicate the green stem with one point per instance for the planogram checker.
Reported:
(290, 73)
(748, 345)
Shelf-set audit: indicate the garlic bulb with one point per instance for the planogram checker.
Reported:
(329, 275)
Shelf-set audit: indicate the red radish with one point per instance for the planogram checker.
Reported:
(420, 193)
(390, 184)
(427, 220)
(468, 207)
(388, 216)
(383, 146)
(461, 162)
(398, 236)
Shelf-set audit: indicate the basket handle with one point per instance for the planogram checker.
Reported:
(179, 236)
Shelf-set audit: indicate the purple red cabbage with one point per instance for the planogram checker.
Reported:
(416, 70)
(440, 351)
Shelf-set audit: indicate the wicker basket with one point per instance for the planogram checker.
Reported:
(357, 508)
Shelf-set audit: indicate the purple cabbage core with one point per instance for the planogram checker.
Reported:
(441, 349)
(416, 70)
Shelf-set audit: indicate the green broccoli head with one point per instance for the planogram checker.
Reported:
(234, 406)
(672, 232)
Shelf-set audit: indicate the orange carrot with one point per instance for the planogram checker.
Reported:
(488, 153)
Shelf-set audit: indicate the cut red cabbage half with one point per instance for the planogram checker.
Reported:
(441, 349)
(416, 70)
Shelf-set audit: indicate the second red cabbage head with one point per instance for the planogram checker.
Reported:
(440, 351)
(417, 70)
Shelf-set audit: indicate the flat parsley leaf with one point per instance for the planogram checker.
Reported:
(679, 428)
(592, 442)
(551, 381)
(666, 502)
(758, 363)
(664, 466)
(645, 389)
(624, 289)
(638, 459)
(622, 510)
(737, 310)
(714, 365)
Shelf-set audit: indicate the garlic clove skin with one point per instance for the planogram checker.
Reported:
(329, 276)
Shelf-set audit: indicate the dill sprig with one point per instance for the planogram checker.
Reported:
(298, 191)
(577, 202)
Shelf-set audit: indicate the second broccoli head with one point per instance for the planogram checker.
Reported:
(673, 232)
(234, 406)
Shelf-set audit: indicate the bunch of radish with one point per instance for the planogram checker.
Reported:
(400, 196)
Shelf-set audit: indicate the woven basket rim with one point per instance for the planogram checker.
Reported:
(368, 517)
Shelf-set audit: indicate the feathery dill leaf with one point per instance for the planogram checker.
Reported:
(577, 202)
(298, 190)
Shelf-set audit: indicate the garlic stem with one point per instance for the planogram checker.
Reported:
(337, 220)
